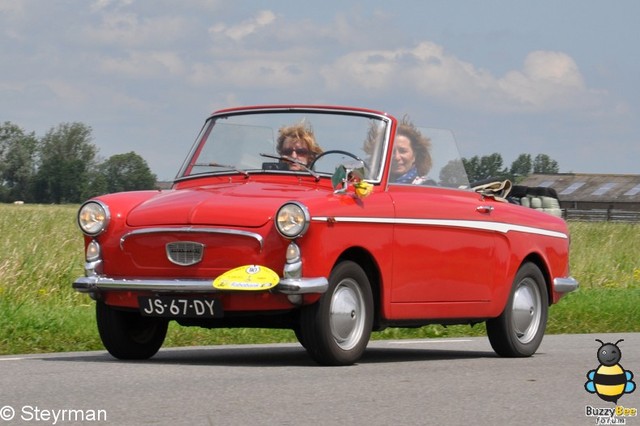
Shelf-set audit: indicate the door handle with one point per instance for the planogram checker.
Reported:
(484, 209)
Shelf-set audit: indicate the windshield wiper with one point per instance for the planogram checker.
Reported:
(294, 161)
(224, 166)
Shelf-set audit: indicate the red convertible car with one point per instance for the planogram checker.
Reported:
(330, 221)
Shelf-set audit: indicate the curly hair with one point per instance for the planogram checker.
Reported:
(420, 144)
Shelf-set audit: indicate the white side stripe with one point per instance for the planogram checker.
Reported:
(470, 224)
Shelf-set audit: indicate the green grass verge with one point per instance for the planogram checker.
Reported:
(41, 254)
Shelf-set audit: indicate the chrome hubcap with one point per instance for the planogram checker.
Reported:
(527, 313)
(347, 314)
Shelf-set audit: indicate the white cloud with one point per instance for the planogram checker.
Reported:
(259, 72)
(245, 28)
(12, 18)
(144, 64)
(127, 29)
(67, 93)
(15, 7)
(98, 5)
(547, 80)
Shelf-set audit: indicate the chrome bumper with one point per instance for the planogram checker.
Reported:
(96, 284)
(565, 285)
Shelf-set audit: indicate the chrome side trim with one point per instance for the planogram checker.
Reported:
(452, 223)
(95, 284)
(192, 230)
(565, 285)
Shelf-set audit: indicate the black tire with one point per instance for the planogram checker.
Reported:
(298, 332)
(129, 335)
(336, 329)
(519, 330)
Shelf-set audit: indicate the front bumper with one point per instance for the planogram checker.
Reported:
(96, 284)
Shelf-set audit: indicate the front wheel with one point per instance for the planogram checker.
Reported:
(519, 330)
(336, 329)
(129, 335)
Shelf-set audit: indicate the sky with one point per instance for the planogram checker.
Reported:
(560, 78)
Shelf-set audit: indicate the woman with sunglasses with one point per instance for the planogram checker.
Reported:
(298, 142)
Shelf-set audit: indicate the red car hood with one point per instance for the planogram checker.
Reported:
(250, 204)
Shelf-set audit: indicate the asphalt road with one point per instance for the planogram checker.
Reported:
(417, 382)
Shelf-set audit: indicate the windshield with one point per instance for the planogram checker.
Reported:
(434, 155)
(309, 141)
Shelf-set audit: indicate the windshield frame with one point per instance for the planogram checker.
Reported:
(381, 156)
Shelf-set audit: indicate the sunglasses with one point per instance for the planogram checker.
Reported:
(299, 152)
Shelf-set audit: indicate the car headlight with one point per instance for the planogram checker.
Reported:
(93, 217)
(292, 220)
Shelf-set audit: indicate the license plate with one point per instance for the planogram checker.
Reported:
(179, 307)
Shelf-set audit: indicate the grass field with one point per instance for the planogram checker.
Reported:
(41, 254)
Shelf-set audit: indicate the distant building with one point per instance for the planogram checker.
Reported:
(583, 191)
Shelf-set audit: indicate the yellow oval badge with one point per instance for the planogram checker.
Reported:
(247, 278)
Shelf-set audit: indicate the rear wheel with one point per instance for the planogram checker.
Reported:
(519, 330)
(336, 329)
(129, 335)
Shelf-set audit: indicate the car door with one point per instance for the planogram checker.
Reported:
(444, 248)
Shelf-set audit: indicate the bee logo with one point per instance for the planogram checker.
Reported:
(609, 381)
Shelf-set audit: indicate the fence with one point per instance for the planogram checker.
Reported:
(602, 215)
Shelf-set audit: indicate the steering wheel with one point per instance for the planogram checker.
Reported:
(337, 151)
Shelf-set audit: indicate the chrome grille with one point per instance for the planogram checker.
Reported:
(185, 253)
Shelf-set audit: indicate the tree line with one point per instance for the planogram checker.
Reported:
(491, 166)
(63, 167)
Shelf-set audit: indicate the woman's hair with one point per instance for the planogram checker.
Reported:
(300, 131)
(420, 144)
